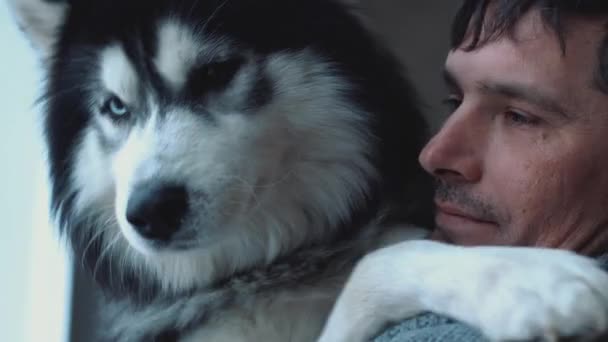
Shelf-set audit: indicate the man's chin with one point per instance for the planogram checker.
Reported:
(440, 236)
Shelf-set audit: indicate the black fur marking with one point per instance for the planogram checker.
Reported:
(262, 91)
(171, 335)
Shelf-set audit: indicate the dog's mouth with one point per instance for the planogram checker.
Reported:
(175, 244)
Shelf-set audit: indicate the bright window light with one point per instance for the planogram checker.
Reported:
(34, 291)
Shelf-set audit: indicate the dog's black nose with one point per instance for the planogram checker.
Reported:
(156, 210)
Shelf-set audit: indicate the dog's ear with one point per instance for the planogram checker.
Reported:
(360, 9)
(40, 20)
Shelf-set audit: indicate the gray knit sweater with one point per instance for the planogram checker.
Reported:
(433, 328)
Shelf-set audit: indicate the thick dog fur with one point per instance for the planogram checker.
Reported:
(295, 138)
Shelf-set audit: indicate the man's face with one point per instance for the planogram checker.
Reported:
(523, 158)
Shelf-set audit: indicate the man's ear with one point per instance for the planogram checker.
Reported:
(40, 20)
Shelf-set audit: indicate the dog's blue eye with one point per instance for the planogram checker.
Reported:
(115, 107)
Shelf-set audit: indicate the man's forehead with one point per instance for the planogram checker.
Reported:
(534, 24)
(535, 70)
(533, 50)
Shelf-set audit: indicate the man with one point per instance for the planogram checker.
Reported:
(523, 157)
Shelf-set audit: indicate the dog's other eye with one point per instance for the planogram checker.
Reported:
(222, 72)
(213, 76)
(115, 108)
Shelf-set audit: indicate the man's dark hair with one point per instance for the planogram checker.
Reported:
(474, 23)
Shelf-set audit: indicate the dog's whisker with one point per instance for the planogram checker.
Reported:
(104, 253)
(213, 15)
(92, 240)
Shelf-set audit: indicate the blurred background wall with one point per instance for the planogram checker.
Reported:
(418, 32)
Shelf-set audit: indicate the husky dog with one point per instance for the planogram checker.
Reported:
(221, 166)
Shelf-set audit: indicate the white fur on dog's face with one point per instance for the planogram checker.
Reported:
(254, 177)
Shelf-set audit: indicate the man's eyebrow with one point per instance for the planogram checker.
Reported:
(527, 94)
(513, 91)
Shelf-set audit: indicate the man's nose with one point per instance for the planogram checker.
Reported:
(454, 154)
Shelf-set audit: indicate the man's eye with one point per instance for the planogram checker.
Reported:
(519, 118)
(115, 108)
(452, 103)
